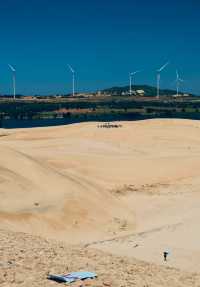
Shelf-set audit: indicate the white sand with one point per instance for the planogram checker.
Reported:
(80, 183)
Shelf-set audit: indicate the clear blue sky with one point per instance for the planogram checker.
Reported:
(102, 40)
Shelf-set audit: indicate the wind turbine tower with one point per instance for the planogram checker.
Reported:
(73, 80)
(131, 81)
(178, 81)
(14, 79)
(158, 78)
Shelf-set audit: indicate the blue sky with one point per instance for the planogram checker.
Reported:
(102, 40)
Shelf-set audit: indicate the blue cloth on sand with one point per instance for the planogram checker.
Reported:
(71, 277)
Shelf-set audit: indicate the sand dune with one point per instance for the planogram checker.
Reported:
(27, 260)
(81, 183)
(42, 199)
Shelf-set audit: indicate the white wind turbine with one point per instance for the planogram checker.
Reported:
(158, 78)
(73, 79)
(178, 81)
(131, 81)
(14, 79)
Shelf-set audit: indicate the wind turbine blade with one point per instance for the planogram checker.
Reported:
(177, 75)
(163, 67)
(137, 72)
(70, 68)
(11, 67)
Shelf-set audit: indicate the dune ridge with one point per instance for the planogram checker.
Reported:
(117, 188)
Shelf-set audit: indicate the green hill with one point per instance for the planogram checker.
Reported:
(149, 90)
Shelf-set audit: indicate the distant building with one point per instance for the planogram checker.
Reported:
(140, 92)
(181, 95)
(28, 98)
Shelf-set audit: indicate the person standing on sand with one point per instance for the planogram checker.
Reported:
(165, 254)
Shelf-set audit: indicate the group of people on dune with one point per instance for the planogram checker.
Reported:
(108, 125)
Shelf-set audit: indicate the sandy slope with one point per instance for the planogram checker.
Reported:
(26, 260)
(80, 183)
(38, 199)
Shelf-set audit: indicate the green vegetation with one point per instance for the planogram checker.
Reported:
(148, 90)
(98, 108)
